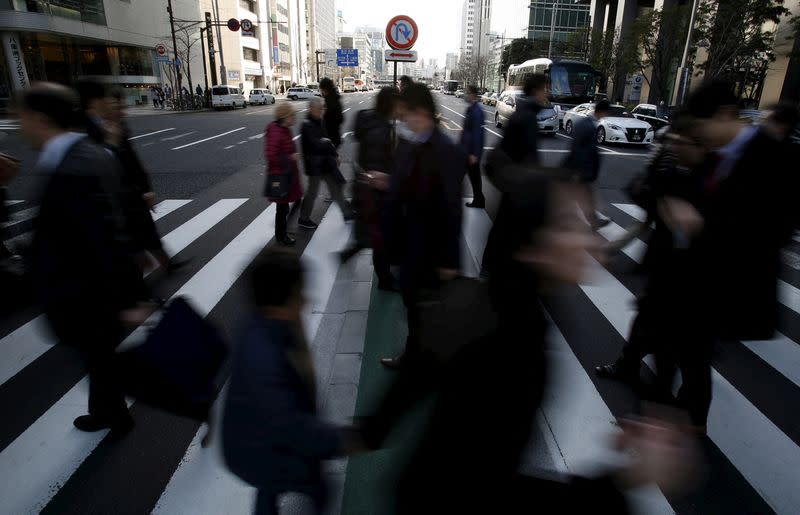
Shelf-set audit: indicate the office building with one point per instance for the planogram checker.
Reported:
(113, 41)
(475, 23)
(570, 17)
(320, 35)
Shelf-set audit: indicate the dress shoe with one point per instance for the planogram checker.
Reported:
(478, 204)
(395, 363)
(286, 240)
(307, 224)
(617, 372)
(92, 423)
(601, 223)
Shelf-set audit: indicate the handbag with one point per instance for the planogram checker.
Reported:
(278, 185)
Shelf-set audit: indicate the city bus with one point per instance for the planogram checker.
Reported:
(348, 84)
(381, 83)
(450, 87)
(569, 82)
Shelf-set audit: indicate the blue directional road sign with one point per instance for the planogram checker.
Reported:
(347, 57)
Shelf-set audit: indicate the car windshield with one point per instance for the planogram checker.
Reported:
(571, 80)
(219, 91)
(619, 112)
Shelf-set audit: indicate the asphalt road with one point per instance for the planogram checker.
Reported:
(189, 153)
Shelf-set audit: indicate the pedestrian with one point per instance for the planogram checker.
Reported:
(198, 90)
(521, 144)
(472, 145)
(584, 159)
(745, 167)
(670, 175)
(281, 156)
(320, 159)
(272, 436)
(423, 211)
(154, 95)
(333, 117)
(405, 82)
(161, 98)
(104, 119)
(79, 240)
(374, 132)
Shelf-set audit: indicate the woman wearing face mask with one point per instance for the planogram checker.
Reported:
(283, 179)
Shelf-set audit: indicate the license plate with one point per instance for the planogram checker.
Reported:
(637, 138)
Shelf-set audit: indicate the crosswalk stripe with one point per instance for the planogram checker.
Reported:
(48, 470)
(166, 207)
(24, 345)
(222, 492)
(633, 211)
(22, 216)
(780, 353)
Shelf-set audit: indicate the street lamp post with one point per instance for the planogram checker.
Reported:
(175, 49)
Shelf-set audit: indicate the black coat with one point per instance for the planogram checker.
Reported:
(749, 217)
(584, 157)
(424, 209)
(134, 182)
(521, 139)
(318, 151)
(375, 139)
(80, 252)
(334, 117)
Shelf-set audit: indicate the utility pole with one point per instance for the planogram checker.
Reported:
(212, 62)
(203, 50)
(316, 60)
(552, 28)
(223, 74)
(682, 82)
(175, 49)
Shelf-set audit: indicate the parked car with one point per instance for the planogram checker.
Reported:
(546, 119)
(486, 98)
(493, 99)
(459, 93)
(261, 96)
(300, 93)
(227, 97)
(651, 114)
(618, 127)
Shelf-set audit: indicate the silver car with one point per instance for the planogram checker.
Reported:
(547, 117)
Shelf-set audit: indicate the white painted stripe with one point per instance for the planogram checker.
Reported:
(172, 138)
(781, 354)
(22, 216)
(166, 207)
(21, 347)
(228, 147)
(346, 134)
(223, 492)
(43, 458)
(258, 112)
(242, 142)
(151, 133)
(14, 202)
(296, 137)
(789, 296)
(764, 455)
(633, 211)
(208, 139)
(493, 132)
(452, 110)
(256, 136)
(346, 110)
(361, 102)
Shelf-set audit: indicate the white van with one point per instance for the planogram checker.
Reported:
(300, 93)
(261, 96)
(227, 97)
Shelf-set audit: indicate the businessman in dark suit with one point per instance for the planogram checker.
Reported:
(80, 263)
(424, 209)
(472, 144)
(584, 160)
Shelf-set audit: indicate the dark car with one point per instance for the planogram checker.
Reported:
(656, 116)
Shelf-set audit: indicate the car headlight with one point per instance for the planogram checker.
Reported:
(615, 127)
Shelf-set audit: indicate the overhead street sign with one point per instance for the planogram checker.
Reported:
(233, 24)
(401, 32)
(247, 28)
(161, 49)
(347, 57)
(409, 56)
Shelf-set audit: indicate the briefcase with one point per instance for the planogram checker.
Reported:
(458, 313)
(177, 367)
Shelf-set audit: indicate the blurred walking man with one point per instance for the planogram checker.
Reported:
(472, 145)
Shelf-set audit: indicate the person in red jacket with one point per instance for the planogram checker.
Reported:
(281, 156)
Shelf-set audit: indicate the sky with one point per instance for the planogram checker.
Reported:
(437, 21)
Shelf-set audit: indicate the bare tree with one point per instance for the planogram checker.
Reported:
(188, 36)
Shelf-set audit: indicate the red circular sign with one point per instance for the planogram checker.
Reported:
(161, 49)
(401, 32)
(233, 24)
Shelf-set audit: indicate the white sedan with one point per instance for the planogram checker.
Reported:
(618, 127)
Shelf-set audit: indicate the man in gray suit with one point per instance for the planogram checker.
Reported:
(584, 159)
(80, 261)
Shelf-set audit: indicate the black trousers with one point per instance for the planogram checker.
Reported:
(692, 355)
(281, 219)
(95, 339)
(474, 172)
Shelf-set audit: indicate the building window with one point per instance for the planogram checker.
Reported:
(88, 11)
(249, 5)
(250, 54)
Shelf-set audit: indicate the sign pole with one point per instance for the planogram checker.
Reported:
(175, 48)
(395, 74)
